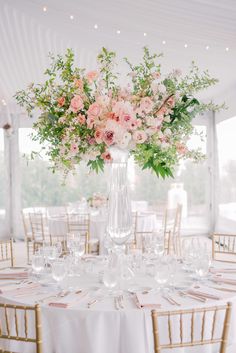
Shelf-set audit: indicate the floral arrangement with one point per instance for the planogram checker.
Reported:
(84, 113)
(97, 200)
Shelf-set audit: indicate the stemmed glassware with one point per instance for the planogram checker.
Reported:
(38, 264)
(59, 270)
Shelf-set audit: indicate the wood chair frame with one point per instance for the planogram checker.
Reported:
(6, 333)
(158, 347)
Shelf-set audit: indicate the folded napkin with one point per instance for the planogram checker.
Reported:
(68, 301)
(20, 290)
(12, 274)
(223, 270)
(224, 280)
(204, 293)
(149, 300)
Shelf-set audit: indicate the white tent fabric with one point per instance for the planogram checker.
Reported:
(28, 33)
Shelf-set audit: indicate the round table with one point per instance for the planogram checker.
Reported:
(104, 329)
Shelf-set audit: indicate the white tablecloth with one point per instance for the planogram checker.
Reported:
(103, 329)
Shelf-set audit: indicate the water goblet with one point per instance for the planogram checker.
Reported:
(37, 264)
(110, 279)
(59, 271)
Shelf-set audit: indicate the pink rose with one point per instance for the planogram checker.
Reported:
(171, 102)
(156, 75)
(161, 112)
(181, 148)
(94, 110)
(98, 136)
(76, 104)
(74, 148)
(61, 101)
(91, 141)
(90, 123)
(108, 137)
(139, 136)
(91, 76)
(78, 83)
(146, 105)
(106, 156)
(81, 119)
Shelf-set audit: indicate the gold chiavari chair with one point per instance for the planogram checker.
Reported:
(172, 226)
(27, 232)
(224, 247)
(6, 252)
(203, 318)
(140, 239)
(80, 223)
(60, 239)
(15, 325)
(39, 234)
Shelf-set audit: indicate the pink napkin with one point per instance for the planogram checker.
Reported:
(204, 293)
(68, 301)
(148, 300)
(223, 270)
(224, 280)
(14, 275)
(20, 290)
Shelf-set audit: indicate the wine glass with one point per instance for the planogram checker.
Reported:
(110, 278)
(59, 270)
(37, 263)
(162, 274)
(201, 265)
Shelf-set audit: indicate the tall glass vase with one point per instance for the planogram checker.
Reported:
(119, 224)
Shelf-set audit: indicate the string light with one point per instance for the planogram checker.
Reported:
(207, 47)
(118, 31)
(144, 34)
(71, 17)
(186, 45)
(163, 42)
(227, 49)
(95, 26)
(4, 102)
(44, 8)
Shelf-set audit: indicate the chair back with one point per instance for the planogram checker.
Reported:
(80, 223)
(193, 327)
(224, 247)
(37, 226)
(16, 323)
(172, 226)
(6, 252)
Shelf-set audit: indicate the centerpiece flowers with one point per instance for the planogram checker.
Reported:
(89, 116)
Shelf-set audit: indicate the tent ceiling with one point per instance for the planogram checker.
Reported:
(27, 34)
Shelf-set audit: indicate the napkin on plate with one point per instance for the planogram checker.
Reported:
(224, 280)
(222, 270)
(203, 292)
(19, 290)
(67, 301)
(149, 300)
(13, 274)
(207, 292)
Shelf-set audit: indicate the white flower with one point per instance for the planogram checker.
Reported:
(125, 140)
(154, 87)
(162, 88)
(167, 119)
(167, 132)
(164, 145)
(160, 134)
